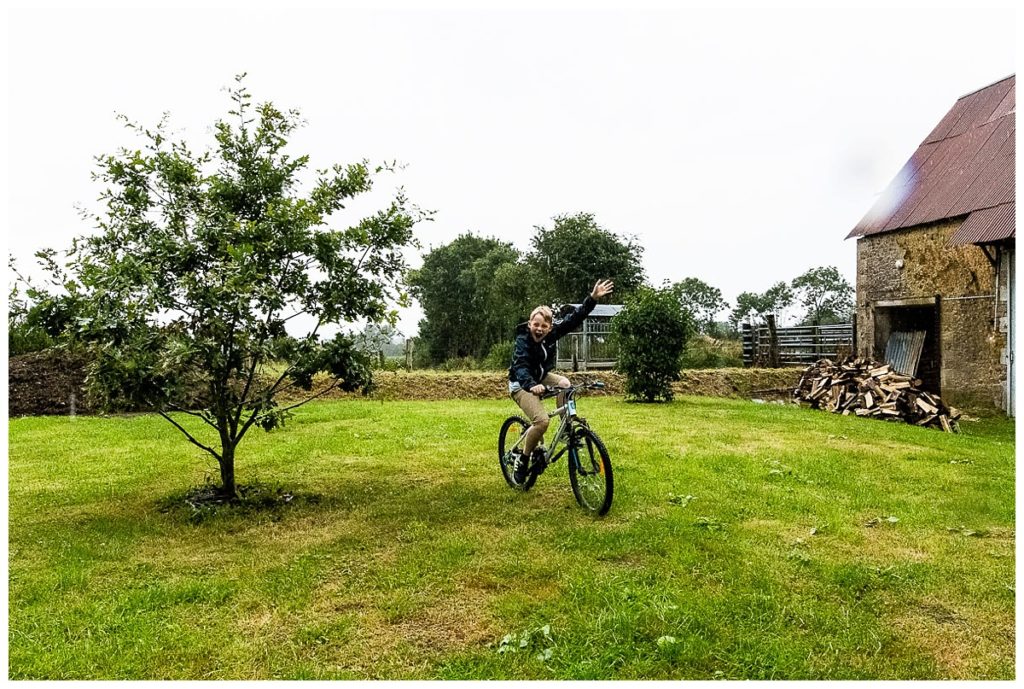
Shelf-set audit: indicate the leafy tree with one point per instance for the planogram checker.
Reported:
(776, 299)
(202, 259)
(826, 296)
(703, 301)
(37, 316)
(455, 287)
(746, 309)
(374, 339)
(576, 252)
(752, 307)
(652, 332)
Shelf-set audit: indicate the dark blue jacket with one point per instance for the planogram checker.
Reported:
(532, 360)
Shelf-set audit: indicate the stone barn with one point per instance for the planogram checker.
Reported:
(936, 257)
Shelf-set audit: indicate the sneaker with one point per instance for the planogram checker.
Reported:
(520, 467)
(538, 463)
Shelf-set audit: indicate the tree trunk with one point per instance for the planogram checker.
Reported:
(227, 471)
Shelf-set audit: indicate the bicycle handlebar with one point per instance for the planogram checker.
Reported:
(550, 391)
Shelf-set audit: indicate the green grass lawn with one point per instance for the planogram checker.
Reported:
(745, 541)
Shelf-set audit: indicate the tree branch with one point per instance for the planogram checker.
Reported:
(297, 313)
(189, 436)
(359, 263)
(272, 390)
(323, 392)
(201, 415)
(255, 360)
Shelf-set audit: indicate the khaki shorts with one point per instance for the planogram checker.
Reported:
(531, 404)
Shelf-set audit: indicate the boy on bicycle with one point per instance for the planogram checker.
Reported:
(533, 358)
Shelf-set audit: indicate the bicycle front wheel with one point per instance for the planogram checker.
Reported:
(590, 473)
(511, 431)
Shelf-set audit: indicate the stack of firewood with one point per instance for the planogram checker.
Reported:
(866, 387)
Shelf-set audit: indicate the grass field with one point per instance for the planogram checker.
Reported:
(745, 541)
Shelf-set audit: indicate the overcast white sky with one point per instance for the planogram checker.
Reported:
(738, 145)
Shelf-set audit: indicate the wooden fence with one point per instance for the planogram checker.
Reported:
(796, 346)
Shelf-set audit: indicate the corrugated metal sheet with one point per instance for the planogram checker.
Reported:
(985, 172)
(897, 191)
(980, 106)
(930, 196)
(1008, 104)
(903, 351)
(1001, 189)
(987, 225)
(941, 130)
(966, 164)
(602, 310)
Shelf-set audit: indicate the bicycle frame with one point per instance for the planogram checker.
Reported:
(563, 433)
(592, 483)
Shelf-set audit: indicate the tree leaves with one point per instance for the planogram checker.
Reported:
(703, 301)
(576, 252)
(200, 260)
(825, 294)
(652, 331)
(467, 300)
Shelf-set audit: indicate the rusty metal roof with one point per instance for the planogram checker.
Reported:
(965, 166)
(987, 225)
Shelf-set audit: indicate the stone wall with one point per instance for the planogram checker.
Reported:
(917, 270)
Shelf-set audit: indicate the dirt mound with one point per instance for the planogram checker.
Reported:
(47, 382)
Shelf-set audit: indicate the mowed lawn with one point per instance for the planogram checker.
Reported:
(745, 541)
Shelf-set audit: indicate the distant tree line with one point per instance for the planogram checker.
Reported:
(474, 290)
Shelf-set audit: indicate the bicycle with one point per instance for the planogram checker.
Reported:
(590, 469)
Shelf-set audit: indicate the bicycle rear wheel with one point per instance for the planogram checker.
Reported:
(511, 431)
(590, 472)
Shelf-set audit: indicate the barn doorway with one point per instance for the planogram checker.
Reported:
(912, 316)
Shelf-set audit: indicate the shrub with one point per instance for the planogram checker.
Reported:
(38, 322)
(499, 357)
(460, 363)
(23, 339)
(652, 331)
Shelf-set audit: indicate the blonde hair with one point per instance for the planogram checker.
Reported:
(544, 312)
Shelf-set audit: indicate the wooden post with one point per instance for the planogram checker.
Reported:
(408, 354)
(773, 342)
